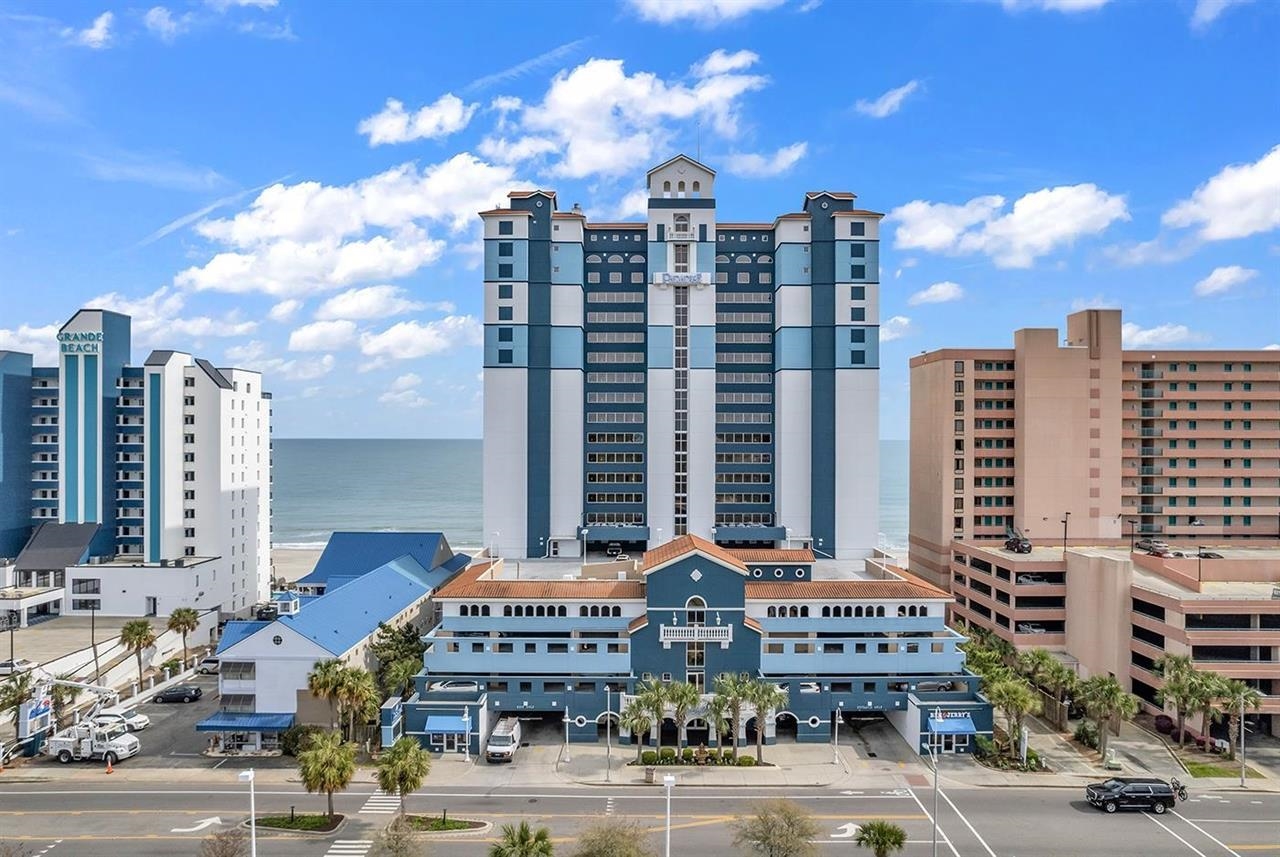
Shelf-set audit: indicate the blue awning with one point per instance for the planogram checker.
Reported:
(952, 726)
(445, 724)
(234, 721)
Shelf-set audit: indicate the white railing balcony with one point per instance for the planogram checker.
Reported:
(722, 634)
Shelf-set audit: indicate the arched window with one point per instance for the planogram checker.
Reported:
(484, 610)
(666, 187)
(902, 610)
(582, 611)
(636, 259)
(520, 610)
(697, 187)
(528, 610)
(595, 610)
(804, 612)
(617, 611)
(742, 259)
(680, 222)
(880, 610)
(695, 611)
(680, 187)
(764, 260)
(793, 612)
(593, 259)
(924, 610)
(506, 609)
(615, 259)
(562, 611)
(848, 611)
(722, 259)
(772, 613)
(857, 611)
(826, 612)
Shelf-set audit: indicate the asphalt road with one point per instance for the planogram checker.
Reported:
(91, 821)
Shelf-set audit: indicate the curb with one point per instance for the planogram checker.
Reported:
(280, 831)
(433, 835)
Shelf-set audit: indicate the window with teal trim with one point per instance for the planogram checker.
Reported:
(858, 334)
(505, 334)
(505, 313)
(858, 251)
(858, 272)
(858, 358)
(506, 248)
(505, 291)
(505, 271)
(506, 227)
(505, 355)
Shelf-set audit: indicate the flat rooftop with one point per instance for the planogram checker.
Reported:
(1052, 553)
(1228, 590)
(563, 568)
(54, 638)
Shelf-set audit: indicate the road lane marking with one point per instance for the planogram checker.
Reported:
(45, 851)
(967, 824)
(941, 833)
(1168, 830)
(349, 848)
(381, 803)
(1206, 833)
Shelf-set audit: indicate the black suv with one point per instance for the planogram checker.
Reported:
(1146, 793)
(1017, 544)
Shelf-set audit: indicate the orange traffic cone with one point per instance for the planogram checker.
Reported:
(109, 768)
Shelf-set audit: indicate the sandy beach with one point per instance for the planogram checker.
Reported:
(293, 563)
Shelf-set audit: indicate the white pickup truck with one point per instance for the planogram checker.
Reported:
(89, 741)
(503, 741)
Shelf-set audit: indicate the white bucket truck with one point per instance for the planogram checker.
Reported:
(503, 741)
(90, 741)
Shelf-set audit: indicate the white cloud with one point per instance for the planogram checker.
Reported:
(1241, 200)
(407, 340)
(269, 30)
(1133, 336)
(157, 318)
(1224, 278)
(908, 262)
(705, 12)
(895, 328)
(720, 61)
(323, 336)
(305, 238)
(403, 391)
(96, 36)
(634, 204)
(40, 342)
(605, 121)
(406, 382)
(151, 169)
(523, 68)
(224, 5)
(448, 115)
(368, 303)
(1207, 11)
(284, 310)
(1275, 346)
(1039, 223)
(938, 293)
(762, 166)
(1067, 6)
(889, 103)
(161, 22)
(255, 355)
(1155, 251)
(503, 151)
(809, 5)
(1096, 302)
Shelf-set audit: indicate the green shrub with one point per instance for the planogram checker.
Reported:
(986, 748)
(173, 665)
(686, 755)
(667, 756)
(649, 757)
(1087, 735)
(295, 738)
(746, 761)
(713, 756)
(1033, 760)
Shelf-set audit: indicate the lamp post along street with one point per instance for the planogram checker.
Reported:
(934, 758)
(669, 781)
(1066, 518)
(466, 736)
(608, 740)
(247, 777)
(1242, 765)
(566, 733)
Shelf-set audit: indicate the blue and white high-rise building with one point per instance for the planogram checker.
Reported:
(132, 490)
(682, 374)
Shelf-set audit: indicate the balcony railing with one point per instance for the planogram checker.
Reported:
(1149, 452)
(1152, 413)
(1150, 394)
(1151, 374)
(1150, 489)
(1151, 471)
(722, 634)
(1152, 432)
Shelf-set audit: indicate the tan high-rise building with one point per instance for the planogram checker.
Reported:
(1079, 439)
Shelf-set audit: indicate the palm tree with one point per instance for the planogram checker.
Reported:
(1206, 688)
(184, 620)
(1061, 680)
(882, 837)
(323, 683)
(402, 768)
(327, 765)
(653, 697)
(684, 698)
(1178, 673)
(398, 676)
(60, 696)
(14, 692)
(717, 716)
(765, 697)
(358, 696)
(1016, 700)
(137, 634)
(523, 841)
(637, 720)
(732, 688)
(1236, 697)
(1036, 664)
(1103, 699)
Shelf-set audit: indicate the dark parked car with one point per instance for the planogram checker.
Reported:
(613, 549)
(178, 693)
(1209, 555)
(1145, 793)
(1017, 544)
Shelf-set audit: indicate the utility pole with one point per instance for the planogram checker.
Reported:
(1065, 518)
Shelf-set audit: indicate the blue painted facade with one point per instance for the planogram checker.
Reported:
(542, 647)
(16, 448)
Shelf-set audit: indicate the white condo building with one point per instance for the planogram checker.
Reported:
(131, 490)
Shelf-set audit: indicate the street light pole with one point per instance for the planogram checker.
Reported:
(247, 777)
(1065, 518)
(835, 756)
(669, 782)
(1242, 765)
(566, 733)
(933, 757)
(93, 640)
(1133, 535)
(466, 738)
(608, 739)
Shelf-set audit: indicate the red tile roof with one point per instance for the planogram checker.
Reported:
(474, 582)
(834, 194)
(772, 554)
(637, 623)
(685, 545)
(858, 212)
(525, 194)
(752, 624)
(506, 211)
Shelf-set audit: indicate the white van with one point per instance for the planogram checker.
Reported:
(209, 666)
(132, 718)
(503, 741)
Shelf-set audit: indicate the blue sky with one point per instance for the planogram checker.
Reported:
(292, 187)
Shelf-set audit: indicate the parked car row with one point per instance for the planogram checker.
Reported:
(1158, 547)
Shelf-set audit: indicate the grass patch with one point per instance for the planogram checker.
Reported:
(434, 824)
(320, 823)
(1209, 769)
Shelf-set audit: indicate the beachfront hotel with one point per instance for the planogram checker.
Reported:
(681, 374)
(131, 490)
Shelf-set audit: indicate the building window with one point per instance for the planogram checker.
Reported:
(505, 334)
(858, 358)
(506, 313)
(857, 293)
(858, 334)
(857, 313)
(681, 258)
(505, 271)
(857, 228)
(505, 291)
(858, 251)
(505, 355)
(506, 248)
(858, 272)
(506, 227)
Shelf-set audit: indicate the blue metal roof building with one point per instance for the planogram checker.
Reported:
(352, 554)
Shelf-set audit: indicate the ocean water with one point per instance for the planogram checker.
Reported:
(327, 485)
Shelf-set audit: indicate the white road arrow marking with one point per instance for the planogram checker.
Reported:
(200, 825)
(850, 830)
